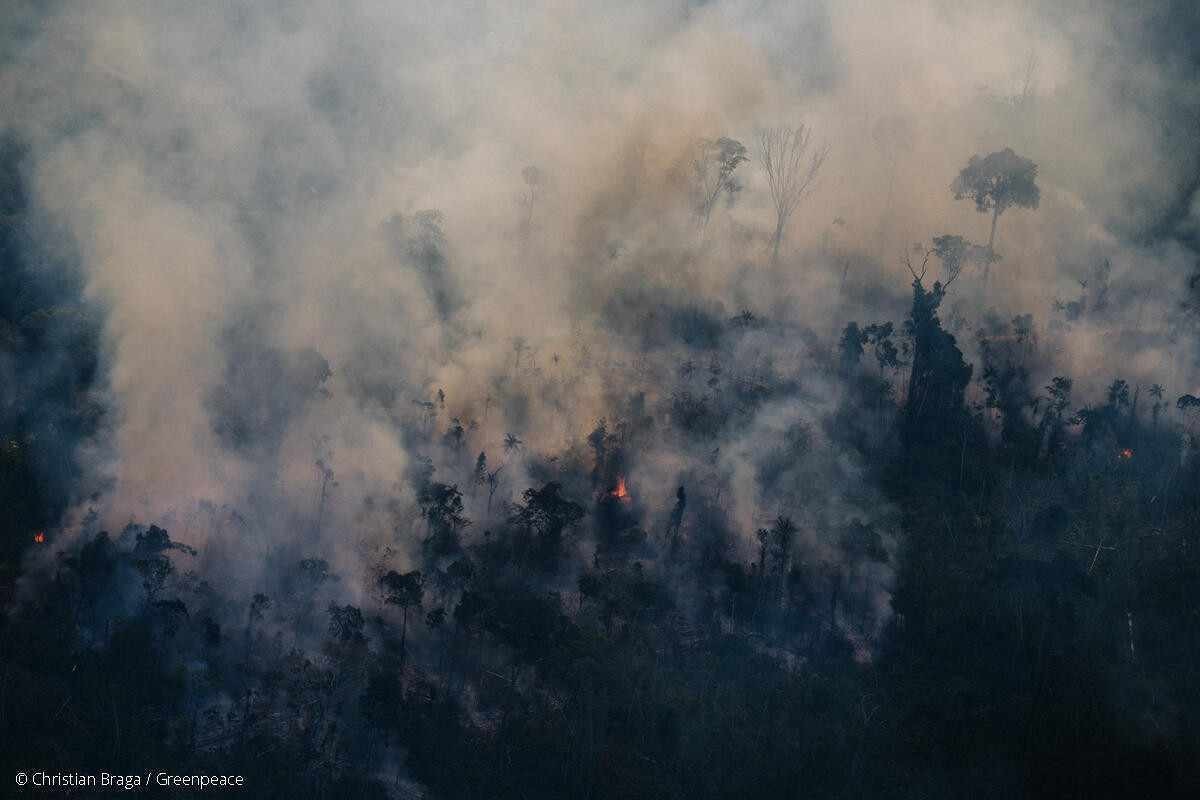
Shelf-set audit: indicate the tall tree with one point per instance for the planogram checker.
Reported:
(405, 590)
(442, 507)
(783, 532)
(997, 182)
(493, 483)
(479, 476)
(791, 164)
(714, 166)
(546, 514)
(677, 513)
(533, 189)
(939, 375)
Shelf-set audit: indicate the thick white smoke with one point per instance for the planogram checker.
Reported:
(250, 187)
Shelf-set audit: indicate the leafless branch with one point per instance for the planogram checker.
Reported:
(953, 274)
(924, 265)
(791, 165)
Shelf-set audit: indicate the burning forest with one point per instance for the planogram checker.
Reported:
(546, 400)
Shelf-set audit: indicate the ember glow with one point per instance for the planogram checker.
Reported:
(39, 537)
(1126, 454)
(621, 492)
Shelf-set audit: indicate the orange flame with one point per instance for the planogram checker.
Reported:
(621, 492)
(40, 537)
(1127, 453)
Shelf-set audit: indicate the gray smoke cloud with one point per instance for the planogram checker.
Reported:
(303, 220)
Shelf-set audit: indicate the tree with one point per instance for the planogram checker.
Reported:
(677, 513)
(479, 476)
(955, 252)
(151, 561)
(1003, 351)
(1159, 405)
(436, 618)
(1187, 404)
(783, 532)
(325, 476)
(764, 543)
(520, 347)
(405, 590)
(939, 375)
(1118, 394)
(879, 336)
(850, 348)
(442, 506)
(1056, 403)
(714, 167)
(346, 624)
(455, 436)
(493, 483)
(533, 189)
(790, 164)
(546, 513)
(313, 572)
(997, 182)
(598, 440)
(258, 609)
(876, 391)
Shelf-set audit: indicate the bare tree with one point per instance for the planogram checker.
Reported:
(493, 483)
(714, 165)
(791, 165)
(533, 190)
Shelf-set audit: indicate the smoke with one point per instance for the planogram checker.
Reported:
(303, 221)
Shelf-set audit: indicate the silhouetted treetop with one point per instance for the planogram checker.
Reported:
(997, 182)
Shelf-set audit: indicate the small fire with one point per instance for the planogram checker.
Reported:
(1127, 454)
(40, 537)
(621, 492)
